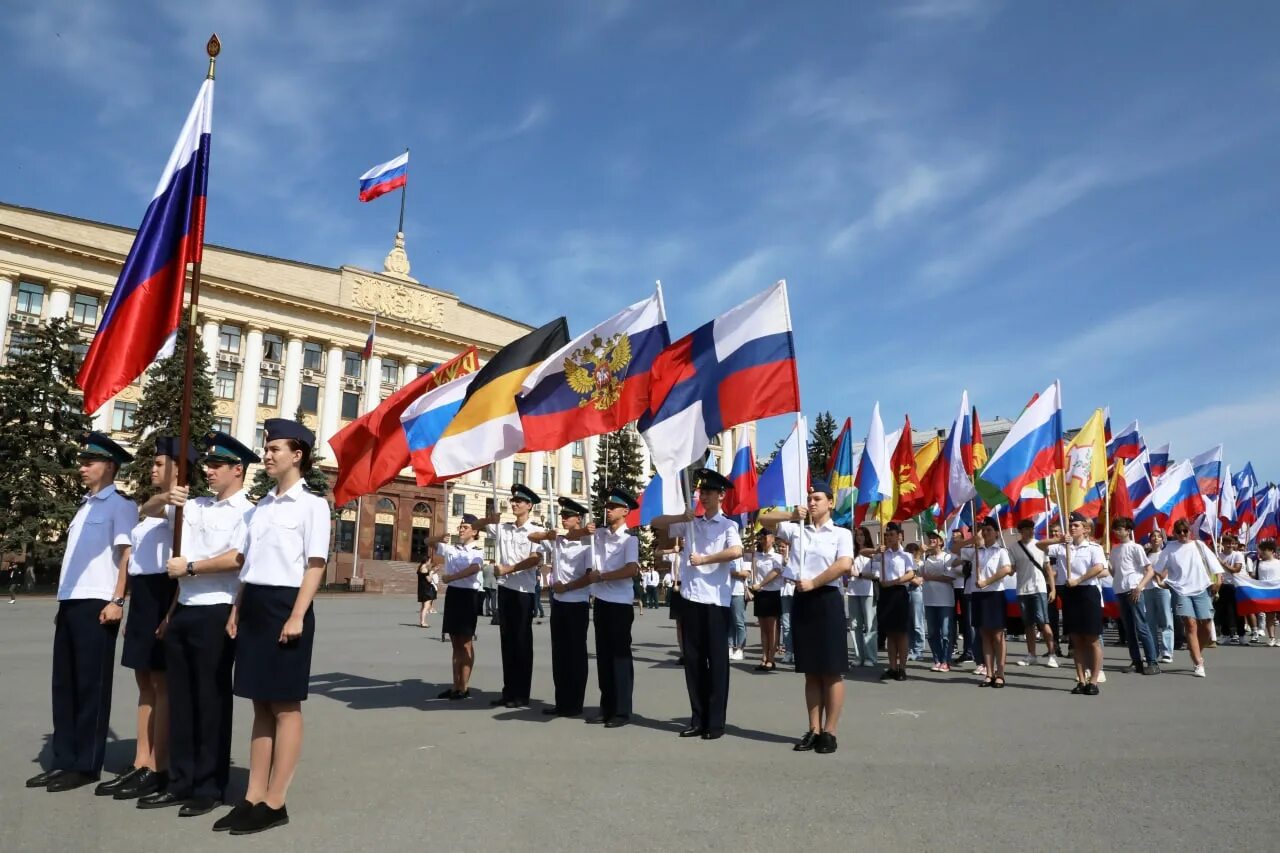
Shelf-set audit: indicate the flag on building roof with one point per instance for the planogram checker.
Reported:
(740, 367)
(140, 323)
(367, 352)
(785, 481)
(385, 177)
(1031, 451)
(487, 426)
(598, 382)
(1086, 462)
(1127, 444)
(1208, 468)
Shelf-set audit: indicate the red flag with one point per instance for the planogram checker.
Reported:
(372, 450)
(1121, 506)
(906, 483)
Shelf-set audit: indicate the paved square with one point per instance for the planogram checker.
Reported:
(1168, 762)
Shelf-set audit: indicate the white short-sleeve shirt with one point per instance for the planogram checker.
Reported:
(707, 584)
(894, 564)
(940, 593)
(513, 545)
(458, 558)
(1028, 570)
(611, 550)
(1235, 558)
(1058, 556)
(990, 559)
(210, 528)
(1129, 563)
(570, 560)
(863, 577)
(765, 563)
(822, 547)
(1269, 570)
(1083, 558)
(285, 532)
(1190, 566)
(150, 544)
(101, 524)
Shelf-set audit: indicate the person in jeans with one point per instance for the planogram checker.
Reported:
(1191, 570)
(938, 570)
(1231, 627)
(860, 598)
(915, 593)
(1131, 573)
(1158, 602)
(788, 593)
(1036, 586)
(964, 623)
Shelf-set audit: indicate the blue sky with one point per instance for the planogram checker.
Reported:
(960, 194)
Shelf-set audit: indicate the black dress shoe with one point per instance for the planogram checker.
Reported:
(160, 800)
(110, 786)
(259, 818)
(806, 742)
(40, 780)
(597, 721)
(197, 806)
(692, 731)
(501, 700)
(824, 743)
(617, 722)
(447, 694)
(459, 695)
(71, 780)
(713, 734)
(1078, 689)
(900, 675)
(225, 822)
(147, 781)
(888, 675)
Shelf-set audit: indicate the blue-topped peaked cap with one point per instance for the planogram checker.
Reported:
(822, 486)
(522, 492)
(468, 518)
(220, 447)
(621, 497)
(97, 445)
(283, 428)
(167, 445)
(568, 506)
(709, 479)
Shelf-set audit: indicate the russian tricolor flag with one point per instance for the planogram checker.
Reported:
(1208, 469)
(1127, 445)
(425, 421)
(1256, 596)
(385, 178)
(1177, 496)
(785, 482)
(141, 320)
(1159, 462)
(744, 496)
(1033, 448)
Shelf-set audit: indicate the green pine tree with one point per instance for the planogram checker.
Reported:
(618, 464)
(317, 482)
(160, 413)
(821, 439)
(41, 427)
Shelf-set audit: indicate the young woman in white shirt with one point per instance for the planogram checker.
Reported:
(1082, 614)
(1269, 570)
(766, 585)
(939, 570)
(897, 570)
(860, 595)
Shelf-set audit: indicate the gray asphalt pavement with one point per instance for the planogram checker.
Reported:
(1168, 762)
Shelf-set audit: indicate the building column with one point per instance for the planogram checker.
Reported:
(589, 463)
(726, 452)
(564, 464)
(505, 472)
(209, 340)
(408, 373)
(102, 417)
(7, 282)
(372, 383)
(536, 462)
(59, 303)
(331, 407)
(250, 374)
(291, 388)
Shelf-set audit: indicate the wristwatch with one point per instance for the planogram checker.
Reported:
(191, 568)
(118, 602)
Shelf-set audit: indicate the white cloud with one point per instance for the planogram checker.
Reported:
(535, 115)
(1246, 428)
(945, 10)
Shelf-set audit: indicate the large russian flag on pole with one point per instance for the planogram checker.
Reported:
(141, 320)
(1178, 496)
(384, 178)
(785, 482)
(1033, 448)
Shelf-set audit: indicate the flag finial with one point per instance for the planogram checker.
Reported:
(213, 48)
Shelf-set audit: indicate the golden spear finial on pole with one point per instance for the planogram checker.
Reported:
(213, 48)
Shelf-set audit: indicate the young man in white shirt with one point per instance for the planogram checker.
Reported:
(1131, 573)
(570, 585)
(1230, 625)
(1191, 570)
(1034, 574)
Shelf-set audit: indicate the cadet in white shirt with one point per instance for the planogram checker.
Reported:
(463, 579)
(712, 544)
(897, 569)
(821, 556)
(286, 550)
(570, 610)
(516, 570)
(198, 652)
(939, 570)
(1130, 573)
(650, 578)
(767, 581)
(1082, 603)
(991, 575)
(1036, 589)
(1189, 569)
(91, 590)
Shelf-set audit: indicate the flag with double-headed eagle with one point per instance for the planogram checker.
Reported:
(598, 382)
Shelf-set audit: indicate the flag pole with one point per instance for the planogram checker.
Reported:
(213, 47)
(802, 439)
(355, 544)
(403, 188)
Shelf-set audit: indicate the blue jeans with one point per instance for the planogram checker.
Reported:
(1136, 632)
(785, 629)
(915, 597)
(738, 638)
(862, 625)
(939, 619)
(1159, 606)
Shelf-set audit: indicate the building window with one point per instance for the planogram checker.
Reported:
(490, 507)
(459, 505)
(273, 348)
(224, 384)
(579, 449)
(222, 425)
(30, 298)
(517, 473)
(486, 474)
(548, 477)
(122, 415)
(269, 391)
(84, 310)
(229, 339)
(309, 402)
(352, 364)
(259, 437)
(384, 529)
(390, 372)
(575, 482)
(424, 369)
(312, 357)
(80, 351)
(20, 343)
(350, 405)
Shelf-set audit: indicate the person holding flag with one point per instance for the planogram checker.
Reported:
(1082, 604)
(991, 573)
(570, 609)
(897, 569)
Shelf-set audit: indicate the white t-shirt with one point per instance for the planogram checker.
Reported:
(1028, 570)
(610, 551)
(989, 560)
(101, 524)
(1269, 570)
(707, 584)
(1190, 566)
(864, 576)
(211, 528)
(285, 531)
(1235, 558)
(512, 546)
(765, 563)
(1083, 558)
(458, 558)
(1129, 563)
(894, 564)
(739, 585)
(939, 593)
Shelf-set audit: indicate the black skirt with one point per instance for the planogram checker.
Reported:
(768, 604)
(893, 612)
(989, 610)
(149, 600)
(460, 608)
(266, 669)
(1081, 610)
(426, 589)
(818, 632)
(673, 603)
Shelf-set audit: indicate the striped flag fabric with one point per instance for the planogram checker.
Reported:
(385, 177)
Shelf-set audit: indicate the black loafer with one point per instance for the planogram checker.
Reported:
(806, 742)
(713, 734)
(41, 780)
(887, 675)
(459, 695)
(260, 818)
(501, 700)
(617, 722)
(1078, 689)
(197, 806)
(110, 786)
(146, 782)
(1091, 689)
(824, 743)
(71, 780)
(900, 675)
(692, 731)
(160, 800)
(225, 822)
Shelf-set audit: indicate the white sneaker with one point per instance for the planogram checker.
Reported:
(1271, 643)
(1102, 677)
(736, 654)
(980, 670)
(1052, 662)
(1198, 672)
(1027, 661)
(1166, 658)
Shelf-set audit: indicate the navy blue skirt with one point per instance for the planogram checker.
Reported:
(149, 600)
(768, 604)
(989, 611)
(461, 605)
(818, 632)
(268, 670)
(893, 612)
